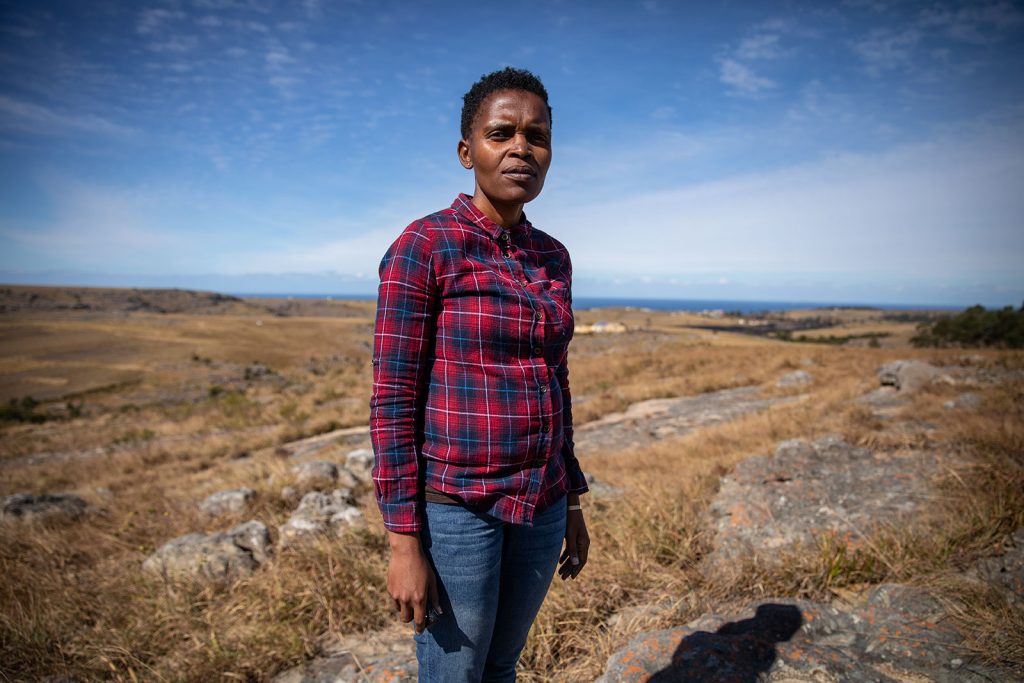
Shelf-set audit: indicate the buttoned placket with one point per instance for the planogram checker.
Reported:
(537, 337)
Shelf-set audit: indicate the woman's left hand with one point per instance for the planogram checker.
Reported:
(577, 543)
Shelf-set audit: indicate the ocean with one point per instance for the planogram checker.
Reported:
(591, 302)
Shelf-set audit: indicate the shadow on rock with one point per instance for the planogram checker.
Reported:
(739, 651)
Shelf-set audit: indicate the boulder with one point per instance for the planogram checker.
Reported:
(1006, 571)
(797, 378)
(319, 514)
(227, 502)
(321, 474)
(907, 375)
(965, 401)
(896, 633)
(789, 499)
(360, 463)
(44, 507)
(649, 421)
(219, 557)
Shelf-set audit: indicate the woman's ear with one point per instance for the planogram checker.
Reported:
(464, 157)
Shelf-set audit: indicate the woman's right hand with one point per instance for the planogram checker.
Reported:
(411, 580)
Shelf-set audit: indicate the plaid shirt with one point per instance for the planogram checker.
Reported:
(470, 382)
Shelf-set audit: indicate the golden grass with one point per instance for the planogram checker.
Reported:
(73, 601)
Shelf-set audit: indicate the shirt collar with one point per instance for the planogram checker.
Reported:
(464, 205)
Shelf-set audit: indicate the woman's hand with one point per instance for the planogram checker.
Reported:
(577, 541)
(411, 580)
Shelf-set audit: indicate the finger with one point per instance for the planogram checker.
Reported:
(420, 615)
(405, 611)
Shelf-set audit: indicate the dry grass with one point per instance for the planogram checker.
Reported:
(73, 601)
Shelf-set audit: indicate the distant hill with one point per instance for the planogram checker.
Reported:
(39, 299)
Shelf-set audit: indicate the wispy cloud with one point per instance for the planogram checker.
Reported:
(741, 79)
(885, 49)
(35, 118)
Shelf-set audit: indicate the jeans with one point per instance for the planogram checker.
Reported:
(492, 578)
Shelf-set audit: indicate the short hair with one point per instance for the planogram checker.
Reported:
(508, 78)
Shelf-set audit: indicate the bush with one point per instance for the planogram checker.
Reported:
(976, 326)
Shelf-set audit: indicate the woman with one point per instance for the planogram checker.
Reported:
(471, 416)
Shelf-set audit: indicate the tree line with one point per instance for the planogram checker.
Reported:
(976, 326)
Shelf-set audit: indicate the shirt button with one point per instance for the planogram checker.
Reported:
(525, 282)
(545, 428)
(537, 350)
(538, 315)
(544, 388)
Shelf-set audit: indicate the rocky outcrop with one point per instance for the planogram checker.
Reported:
(385, 656)
(321, 474)
(360, 463)
(227, 502)
(907, 375)
(648, 421)
(26, 507)
(797, 378)
(895, 633)
(780, 502)
(218, 557)
(321, 513)
(1006, 571)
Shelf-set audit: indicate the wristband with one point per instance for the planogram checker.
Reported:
(575, 507)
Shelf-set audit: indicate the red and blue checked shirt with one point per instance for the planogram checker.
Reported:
(470, 382)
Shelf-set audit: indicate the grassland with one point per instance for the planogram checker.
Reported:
(146, 413)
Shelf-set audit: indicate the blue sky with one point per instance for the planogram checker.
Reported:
(844, 152)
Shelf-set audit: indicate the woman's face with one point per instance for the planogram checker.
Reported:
(509, 148)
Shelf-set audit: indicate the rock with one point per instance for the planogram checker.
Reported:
(896, 633)
(1006, 572)
(797, 378)
(386, 656)
(319, 513)
(220, 556)
(648, 421)
(44, 507)
(600, 489)
(321, 474)
(360, 463)
(289, 494)
(227, 502)
(780, 502)
(968, 400)
(907, 375)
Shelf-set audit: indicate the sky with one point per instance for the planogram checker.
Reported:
(847, 152)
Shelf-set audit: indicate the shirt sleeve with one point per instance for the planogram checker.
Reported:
(402, 338)
(577, 480)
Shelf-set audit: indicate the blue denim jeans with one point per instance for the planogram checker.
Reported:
(492, 578)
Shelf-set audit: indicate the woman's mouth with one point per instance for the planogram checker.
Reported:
(520, 173)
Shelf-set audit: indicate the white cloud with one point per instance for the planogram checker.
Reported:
(741, 79)
(946, 209)
(35, 118)
(885, 49)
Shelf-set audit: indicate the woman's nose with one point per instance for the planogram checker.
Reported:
(521, 146)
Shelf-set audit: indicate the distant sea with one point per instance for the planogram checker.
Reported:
(589, 302)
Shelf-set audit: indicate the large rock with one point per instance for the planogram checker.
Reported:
(896, 633)
(360, 463)
(321, 514)
(44, 507)
(227, 502)
(321, 474)
(648, 421)
(1005, 572)
(220, 556)
(385, 656)
(797, 378)
(907, 375)
(780, 502)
